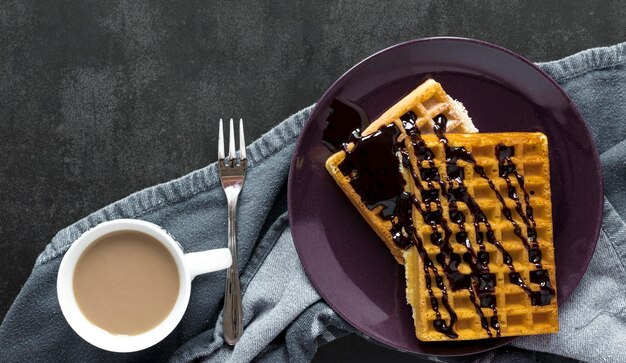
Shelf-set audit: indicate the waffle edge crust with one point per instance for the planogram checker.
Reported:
(516, 315)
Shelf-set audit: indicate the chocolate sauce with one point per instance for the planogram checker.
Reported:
(344, 118)
(534, 255)
(429, 174)
(487, 301)
(430, 195)
(375, 169)
(540, 276)
(506, 167)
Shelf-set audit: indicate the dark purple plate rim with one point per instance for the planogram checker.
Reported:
(328, 95)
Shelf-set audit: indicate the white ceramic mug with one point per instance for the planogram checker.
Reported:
(189, 266)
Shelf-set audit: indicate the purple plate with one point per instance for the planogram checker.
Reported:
(350, 267)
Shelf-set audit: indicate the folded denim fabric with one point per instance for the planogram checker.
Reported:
(285, 318)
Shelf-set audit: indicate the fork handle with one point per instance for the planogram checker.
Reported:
(233, 327)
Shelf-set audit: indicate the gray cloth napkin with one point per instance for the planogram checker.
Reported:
(285, 319)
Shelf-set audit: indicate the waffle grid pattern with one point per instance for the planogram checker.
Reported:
(515, 313)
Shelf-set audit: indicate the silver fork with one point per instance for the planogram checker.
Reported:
(232, 175)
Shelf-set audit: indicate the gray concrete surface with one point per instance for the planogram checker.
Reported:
(101, 98)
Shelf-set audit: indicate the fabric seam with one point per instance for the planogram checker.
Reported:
(614, 249)
(615, 245)
(585, 71)
(585, 61)
(262, 251)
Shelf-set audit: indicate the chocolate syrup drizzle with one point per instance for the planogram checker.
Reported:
(479, 283)
(539, 276)
(374, 168)
(344, 117)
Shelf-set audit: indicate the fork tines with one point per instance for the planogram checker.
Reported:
(232, 153)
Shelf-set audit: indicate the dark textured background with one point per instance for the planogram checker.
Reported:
(102, 98)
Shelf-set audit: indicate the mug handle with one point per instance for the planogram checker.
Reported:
(203, 262)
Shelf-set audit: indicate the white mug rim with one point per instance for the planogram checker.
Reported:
(98, 336)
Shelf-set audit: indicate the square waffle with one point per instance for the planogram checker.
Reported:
(479, 262)
(516, 313)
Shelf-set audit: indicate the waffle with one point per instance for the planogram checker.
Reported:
(516, 315)
(428, 97)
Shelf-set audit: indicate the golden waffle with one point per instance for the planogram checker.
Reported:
(516, 315)
(431, 99)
